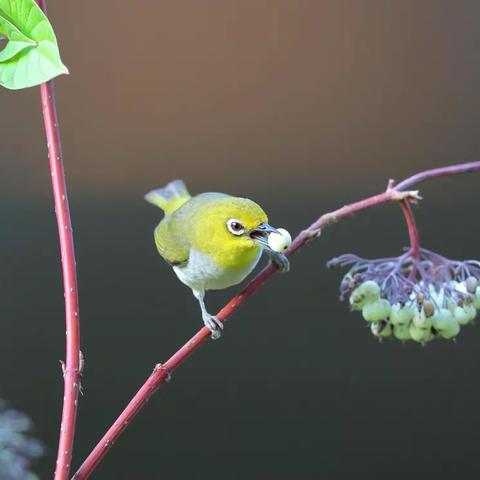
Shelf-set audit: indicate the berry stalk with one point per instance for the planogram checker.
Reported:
(71, 368)
(162, 372)
(412, 228)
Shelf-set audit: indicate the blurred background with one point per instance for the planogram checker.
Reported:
(302, 106)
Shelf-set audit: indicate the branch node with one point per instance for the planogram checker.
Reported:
(158, 367)
(78, 371)
(415, 195)
(390, 184)
(81, 362)
(410, 195)
(311, 233)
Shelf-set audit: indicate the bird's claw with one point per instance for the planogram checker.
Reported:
(280, 261)
(214, 325)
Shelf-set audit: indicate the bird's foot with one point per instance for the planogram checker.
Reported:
(280, 261)
(214, 325)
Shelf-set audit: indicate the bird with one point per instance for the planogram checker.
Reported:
(212, 240)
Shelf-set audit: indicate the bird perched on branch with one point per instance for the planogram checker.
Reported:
(213, 240)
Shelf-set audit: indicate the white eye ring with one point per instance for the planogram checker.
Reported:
(235, 227)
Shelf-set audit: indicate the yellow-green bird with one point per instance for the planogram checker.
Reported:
(211, 240)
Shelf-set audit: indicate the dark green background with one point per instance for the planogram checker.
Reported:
(302, 106)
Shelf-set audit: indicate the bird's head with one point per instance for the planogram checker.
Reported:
(233, 230)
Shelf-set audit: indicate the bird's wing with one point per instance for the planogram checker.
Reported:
(171, 244)
(174, 235)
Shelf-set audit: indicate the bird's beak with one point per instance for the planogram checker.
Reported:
(260, 234)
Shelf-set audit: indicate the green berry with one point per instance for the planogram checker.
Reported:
(465, 314)
(451, 305)
(471, 284)
(366, 292)
(451, 330)
(476, 299)
(421, 335)
(370, 289)
(471, 311)
(402, 332)
(381, 329)
(356, 302)
(420, 319)
(401, 315)
(442, 319)
(376, 311)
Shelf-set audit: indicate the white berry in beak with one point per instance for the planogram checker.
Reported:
(280, 241)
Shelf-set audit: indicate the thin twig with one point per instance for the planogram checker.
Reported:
(412, 228)
(71, 369)
(391, 195)
(438, 172)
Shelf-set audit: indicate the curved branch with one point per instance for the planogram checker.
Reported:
(161, 373)
(71, 368)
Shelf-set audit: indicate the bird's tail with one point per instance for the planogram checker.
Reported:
(170, 197)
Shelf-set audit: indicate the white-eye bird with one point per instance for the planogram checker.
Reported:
(211, 240)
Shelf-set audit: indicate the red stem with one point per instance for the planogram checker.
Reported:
(71, 369)
(161, 373)
(412, 228)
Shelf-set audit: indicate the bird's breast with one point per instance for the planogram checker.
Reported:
(202, 272)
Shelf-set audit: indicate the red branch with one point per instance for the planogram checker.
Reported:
(412, 228)
(161, 373)
(71, 369)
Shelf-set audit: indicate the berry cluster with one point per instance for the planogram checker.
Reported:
(412, 297)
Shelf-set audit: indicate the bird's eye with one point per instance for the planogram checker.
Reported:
(235, 227)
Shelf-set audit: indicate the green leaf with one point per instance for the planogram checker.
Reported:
(31, 55)
(17, 40)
